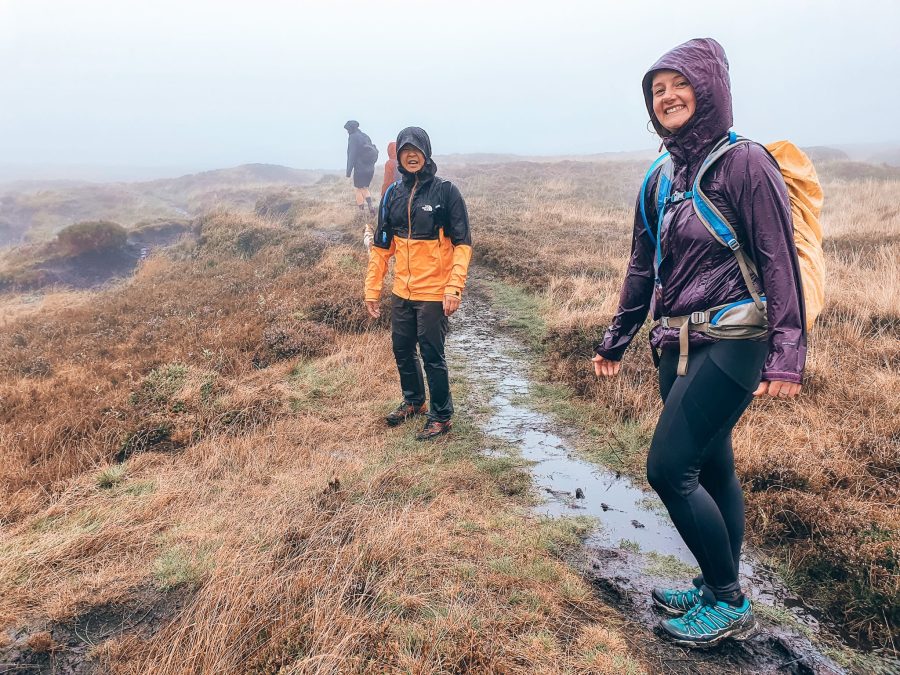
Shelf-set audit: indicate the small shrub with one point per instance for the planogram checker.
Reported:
(162, 383)
(288, 339)
(154, 438)
(99, 235)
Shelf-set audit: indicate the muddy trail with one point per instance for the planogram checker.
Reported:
(635, 547)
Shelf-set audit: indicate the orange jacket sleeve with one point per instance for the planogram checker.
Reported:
(377, 269)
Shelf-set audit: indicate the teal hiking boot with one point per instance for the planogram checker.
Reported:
(675, 602)
(709, 622)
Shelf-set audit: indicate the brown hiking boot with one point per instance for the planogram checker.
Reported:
(434, 428)
(403, 412)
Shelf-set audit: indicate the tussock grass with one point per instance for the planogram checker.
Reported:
(263, 501)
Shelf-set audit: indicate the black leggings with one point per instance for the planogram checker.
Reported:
(691, 462)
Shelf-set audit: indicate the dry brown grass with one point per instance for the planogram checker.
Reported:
(205, 441)
(822, 473)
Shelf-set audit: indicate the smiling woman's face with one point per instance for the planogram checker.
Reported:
(674, 102)
(411, 159)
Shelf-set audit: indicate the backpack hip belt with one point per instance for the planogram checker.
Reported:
(741, 320)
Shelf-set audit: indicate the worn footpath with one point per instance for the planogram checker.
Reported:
(634, 546)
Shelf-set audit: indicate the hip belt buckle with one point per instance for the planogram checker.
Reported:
(698, 317)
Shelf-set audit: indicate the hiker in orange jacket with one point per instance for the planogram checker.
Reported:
(423, 224)
(391, 168)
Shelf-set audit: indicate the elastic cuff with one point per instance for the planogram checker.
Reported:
(774, 375)
(609, 356)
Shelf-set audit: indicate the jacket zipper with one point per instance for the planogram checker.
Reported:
(412, 193)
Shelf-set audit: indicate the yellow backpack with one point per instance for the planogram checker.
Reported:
(806, 206)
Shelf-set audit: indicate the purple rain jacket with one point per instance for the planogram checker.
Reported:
(696, 272)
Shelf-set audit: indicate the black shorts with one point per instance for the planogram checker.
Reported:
(362, 178)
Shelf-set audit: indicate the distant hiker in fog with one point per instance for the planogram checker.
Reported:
(423, 224)
(361, 157)
(735, 307)
(391, 168)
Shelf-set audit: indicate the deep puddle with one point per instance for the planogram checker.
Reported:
(635, 546)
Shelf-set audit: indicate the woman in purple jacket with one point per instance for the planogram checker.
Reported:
(691, 462)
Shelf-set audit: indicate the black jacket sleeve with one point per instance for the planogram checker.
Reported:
(457, 218)
(353, 143)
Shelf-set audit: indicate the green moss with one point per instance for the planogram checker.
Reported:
(629, 545)
(162, 383)
(555, 535)
(180, 565)
(139, 488)
(111, 477)
(668, 566)
(525, 311)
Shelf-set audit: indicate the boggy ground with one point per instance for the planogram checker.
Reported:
(631, 545)
(196, 479)
(821, 473)
(203, 441)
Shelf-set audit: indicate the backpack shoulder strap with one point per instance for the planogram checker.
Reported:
(661, 191)
(386, 198)
(715, 222)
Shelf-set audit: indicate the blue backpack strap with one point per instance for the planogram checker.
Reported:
(381, 232)
(663, 199)
(653, 167)
(384, 200)
(713, 219)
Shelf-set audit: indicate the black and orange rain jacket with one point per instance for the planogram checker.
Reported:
(424, 225)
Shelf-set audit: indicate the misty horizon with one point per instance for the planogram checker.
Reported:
(100, 89)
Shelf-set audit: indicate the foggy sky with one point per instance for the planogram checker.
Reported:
(195, 84)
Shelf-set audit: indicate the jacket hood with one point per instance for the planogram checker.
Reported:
(351, 125)
(703, 62)
(417, 138)
(392, 150)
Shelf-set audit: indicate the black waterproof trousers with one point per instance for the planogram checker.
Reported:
(691, 462)
(419, 322)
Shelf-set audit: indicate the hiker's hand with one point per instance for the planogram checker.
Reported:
(373, 308)
(605, 367)
(778, 389)
(451, 304)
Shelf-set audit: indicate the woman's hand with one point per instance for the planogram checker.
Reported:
(373, 308)
(777, 388)
(605, 367)
(451, 304)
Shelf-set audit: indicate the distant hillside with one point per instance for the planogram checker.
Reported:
(238, 176)
(874, 153)
(36, 210)
(822, 153)
(475, 158)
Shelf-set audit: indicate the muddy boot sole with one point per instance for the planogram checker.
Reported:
(738, 633)
(671, 611)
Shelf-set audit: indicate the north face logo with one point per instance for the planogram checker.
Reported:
(427, 207)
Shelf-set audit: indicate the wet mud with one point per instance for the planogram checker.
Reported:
(635, 546)
(68, 647)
